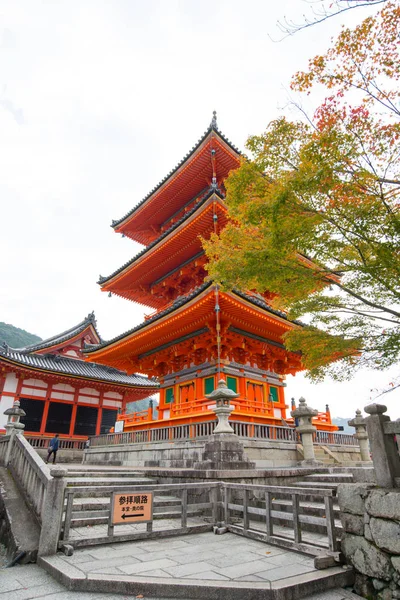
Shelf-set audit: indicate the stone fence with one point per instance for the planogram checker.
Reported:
(370, 514)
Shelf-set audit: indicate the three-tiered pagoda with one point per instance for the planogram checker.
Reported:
(197, 333)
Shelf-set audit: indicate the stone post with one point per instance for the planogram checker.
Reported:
(384, 452)
(360, 425)
(52, 513)
(304, 414)
(13, 426)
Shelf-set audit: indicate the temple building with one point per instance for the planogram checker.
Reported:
(197, 332)
(60, 392)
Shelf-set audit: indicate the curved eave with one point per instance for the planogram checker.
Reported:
(178, 187)
(122, 344)
(187, 317)
(145, 263)
(68, 376)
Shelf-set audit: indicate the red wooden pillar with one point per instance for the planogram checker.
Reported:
(281, 398)
(19, 387)
(46, 408)
(73, 414)
(100, 413)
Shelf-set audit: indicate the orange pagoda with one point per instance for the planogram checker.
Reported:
(197, 333)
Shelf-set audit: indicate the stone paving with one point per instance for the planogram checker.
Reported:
(205, 557)
(202, 556)
(30, 582)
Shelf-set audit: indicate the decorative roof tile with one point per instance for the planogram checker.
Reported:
(64, 336)
(74, 368)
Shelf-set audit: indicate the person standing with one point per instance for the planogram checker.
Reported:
(52, 449)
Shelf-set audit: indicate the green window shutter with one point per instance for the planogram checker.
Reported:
(209, 385)
(169, 395)
(273, 392)
(231, 382)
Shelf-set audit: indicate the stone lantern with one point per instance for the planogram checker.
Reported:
(13, 418)
(222, 396)
(360, 425)
(304, 415)
(223, 450)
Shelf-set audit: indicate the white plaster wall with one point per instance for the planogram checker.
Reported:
(111, 403)
(87, 400)
(113, 395)
(90, 391)
(35, 382)
(63, 387)
(10, 384)
(27, 391)
(62, 396)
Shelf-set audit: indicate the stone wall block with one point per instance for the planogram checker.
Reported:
(352, 523)
(352, 496)
(366, 558)
(396, 563)
(367, 533)
(384, 504)
(386, 534)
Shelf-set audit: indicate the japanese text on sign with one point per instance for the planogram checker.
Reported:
(132, 508)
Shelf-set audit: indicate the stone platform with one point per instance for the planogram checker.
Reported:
(201, 566)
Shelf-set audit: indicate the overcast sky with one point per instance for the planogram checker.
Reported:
(99, 99)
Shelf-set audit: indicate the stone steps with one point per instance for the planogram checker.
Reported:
(321, 485)
(330, 477)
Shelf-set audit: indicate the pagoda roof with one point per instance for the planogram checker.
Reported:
(183, 183)
(75, 368)
(180, 301)
(187, 314)
(133, 279)
(68, 335)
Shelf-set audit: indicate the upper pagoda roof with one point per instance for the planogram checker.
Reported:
(89, 323)
(170, 250)
(213, 155)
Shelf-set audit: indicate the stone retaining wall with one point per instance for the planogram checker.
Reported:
(371, 543)
(185, 453)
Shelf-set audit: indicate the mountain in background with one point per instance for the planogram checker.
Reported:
(342, 422)
(15, 337)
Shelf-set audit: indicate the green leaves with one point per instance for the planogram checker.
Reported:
(315, 213)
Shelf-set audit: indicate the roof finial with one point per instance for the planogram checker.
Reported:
(213, 123)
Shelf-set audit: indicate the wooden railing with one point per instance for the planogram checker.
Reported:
(255, 505)
(328, 438)
(136, 417)
(162, 434)
(64, 444)
(196, 431)
(109, 533)
(244, 509)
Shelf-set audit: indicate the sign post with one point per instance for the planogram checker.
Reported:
(131, 507)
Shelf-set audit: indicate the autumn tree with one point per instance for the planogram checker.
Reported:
(315, 212)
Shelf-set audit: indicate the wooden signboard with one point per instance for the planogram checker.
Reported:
(132, 507)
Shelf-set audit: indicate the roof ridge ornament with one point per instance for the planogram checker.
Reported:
(213, 124)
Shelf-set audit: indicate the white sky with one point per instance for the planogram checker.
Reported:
(99, 99)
